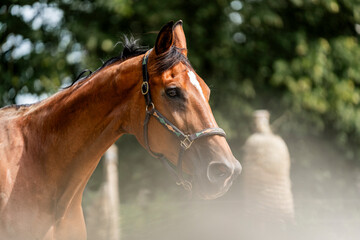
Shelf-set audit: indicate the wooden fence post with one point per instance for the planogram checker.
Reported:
(112, 200)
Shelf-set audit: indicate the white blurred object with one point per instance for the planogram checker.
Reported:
(266, 174)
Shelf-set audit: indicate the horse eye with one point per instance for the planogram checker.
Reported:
(172, 92)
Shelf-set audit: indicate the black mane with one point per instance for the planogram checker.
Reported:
(131, 48)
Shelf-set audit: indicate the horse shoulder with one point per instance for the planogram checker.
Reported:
(11, 138)
(11, 150)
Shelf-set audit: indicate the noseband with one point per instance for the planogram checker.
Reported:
(186, 140)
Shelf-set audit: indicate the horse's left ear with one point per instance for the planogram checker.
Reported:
(164, 39)
(179, 37)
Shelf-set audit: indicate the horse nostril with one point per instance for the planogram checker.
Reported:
(218, 172)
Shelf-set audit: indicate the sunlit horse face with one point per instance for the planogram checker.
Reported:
(182, 97)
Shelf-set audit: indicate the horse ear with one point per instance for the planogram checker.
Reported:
(164, 39)
(179, 37)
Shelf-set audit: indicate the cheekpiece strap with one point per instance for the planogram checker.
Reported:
(145, 87)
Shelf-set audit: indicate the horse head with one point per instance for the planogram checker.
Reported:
(186, 132)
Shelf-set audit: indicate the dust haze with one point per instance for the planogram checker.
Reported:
(320, 201)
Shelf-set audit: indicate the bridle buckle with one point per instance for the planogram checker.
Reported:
(151, 105)
(145, 88)
(186, 143)
(186, 185)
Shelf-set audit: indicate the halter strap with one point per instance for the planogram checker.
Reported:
(145, 87)
(186, 140)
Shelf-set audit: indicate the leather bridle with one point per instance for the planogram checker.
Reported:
(186, 140)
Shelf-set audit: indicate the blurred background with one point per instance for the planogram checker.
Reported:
(299, 59)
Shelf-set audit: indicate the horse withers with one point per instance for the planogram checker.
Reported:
(49, 150)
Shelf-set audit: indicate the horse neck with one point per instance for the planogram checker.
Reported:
(71, 130)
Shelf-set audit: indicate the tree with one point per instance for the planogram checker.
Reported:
(301, 58)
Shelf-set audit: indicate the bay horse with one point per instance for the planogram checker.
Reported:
(48, 150)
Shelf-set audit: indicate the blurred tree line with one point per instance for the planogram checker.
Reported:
(298, 58)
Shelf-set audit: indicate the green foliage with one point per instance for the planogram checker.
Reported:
(303, 61)
(31, 57)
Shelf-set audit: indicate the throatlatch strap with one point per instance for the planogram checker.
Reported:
(146, 139)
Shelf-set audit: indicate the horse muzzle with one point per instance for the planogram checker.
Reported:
(219, 176)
